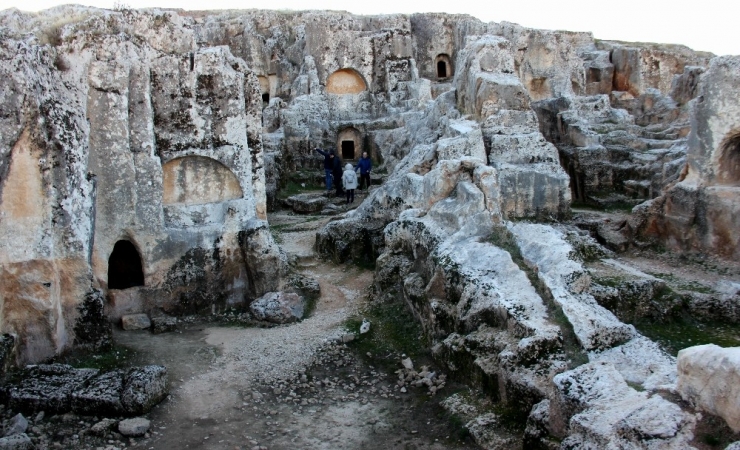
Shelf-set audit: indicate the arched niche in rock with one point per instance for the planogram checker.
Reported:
(195, 180)
(349, 143)
(124, 266)
(443, 67)
(728, 162)
(345, 81)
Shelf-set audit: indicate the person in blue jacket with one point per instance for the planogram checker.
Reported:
(365, 165)
(328, 166)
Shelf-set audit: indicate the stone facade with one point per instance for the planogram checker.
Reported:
(122, 132)
(140, 151)
(701, 213)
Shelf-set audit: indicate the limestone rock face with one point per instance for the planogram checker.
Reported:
(129, 135)
(599, 410)
(701, 211)
(707, 378)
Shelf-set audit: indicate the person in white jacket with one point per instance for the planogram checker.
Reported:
(349, 181)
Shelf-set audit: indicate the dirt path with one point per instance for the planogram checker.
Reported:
(287, 387)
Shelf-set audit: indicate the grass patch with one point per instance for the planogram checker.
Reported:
(504, 239)
(683, 285)
(610, 206)
(277, 236)
(458, 430)
(686, 332)
(117, 357)
(511, 418)
(614, 282)
(393, 331)
(292, 188)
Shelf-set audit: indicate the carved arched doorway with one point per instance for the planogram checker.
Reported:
(349, 143)
(443, 66)
(124, 266)
(728, 163)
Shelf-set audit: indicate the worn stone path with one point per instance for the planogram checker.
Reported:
(289, 386)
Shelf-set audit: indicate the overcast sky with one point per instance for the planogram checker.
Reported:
(710, 25)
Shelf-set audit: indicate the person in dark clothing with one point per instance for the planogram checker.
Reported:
(328, 166)
(337, 172)
(365, 165)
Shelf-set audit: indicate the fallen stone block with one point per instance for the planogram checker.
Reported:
(144, 387)
(307, 203)
(17, 425)
(709, 378)
(101, 396)
(16, 442)
(135, 322)
(138, 426)
(163, 324)
(48, 387)
(279, 307)
(103, 427)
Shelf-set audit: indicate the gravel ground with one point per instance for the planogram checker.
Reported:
(294, 386)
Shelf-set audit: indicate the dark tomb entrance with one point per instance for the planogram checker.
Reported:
(441, 69)
(124, 267)
(348, 149)
(729, 159)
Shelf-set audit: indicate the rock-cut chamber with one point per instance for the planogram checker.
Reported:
(124, 266)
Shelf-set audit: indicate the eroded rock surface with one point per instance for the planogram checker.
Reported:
(59, 388)
(707, 377)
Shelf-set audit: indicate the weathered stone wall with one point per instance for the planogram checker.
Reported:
(123, 130)
(701, 212)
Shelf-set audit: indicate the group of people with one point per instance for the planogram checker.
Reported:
(345, 180)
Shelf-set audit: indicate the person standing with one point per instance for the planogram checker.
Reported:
(337, 173)
(365, 165)
(328, 166)
(349, 180)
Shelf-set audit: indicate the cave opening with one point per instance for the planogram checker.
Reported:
(441, 69)
(124, 266)
(729, 159)
(444, 67)
(348, 149)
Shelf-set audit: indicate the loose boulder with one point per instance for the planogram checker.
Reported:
(279, 307)
(17, 425)
(143, 388)
(307, 203)
(135, 322)
(163, 323)
(709, 378)
(138, 426)
(16, 442)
